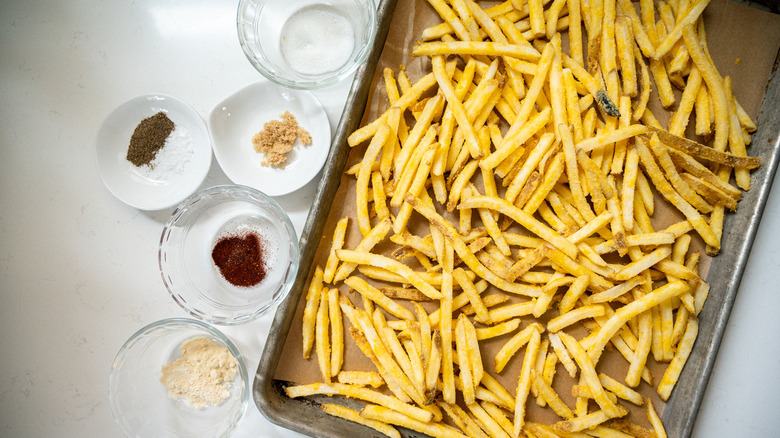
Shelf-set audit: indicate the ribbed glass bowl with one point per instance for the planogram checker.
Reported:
(185, 254)
(140, 403)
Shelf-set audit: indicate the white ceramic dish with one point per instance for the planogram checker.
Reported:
(134, 186)
(234, 121)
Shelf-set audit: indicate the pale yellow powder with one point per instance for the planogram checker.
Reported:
(203, 375)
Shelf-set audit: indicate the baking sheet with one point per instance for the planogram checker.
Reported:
(749, 74)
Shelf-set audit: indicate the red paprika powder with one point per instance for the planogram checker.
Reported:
(240, 259)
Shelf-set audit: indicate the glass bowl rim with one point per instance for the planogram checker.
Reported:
(172, 323)
(247, 316)
(324, 80)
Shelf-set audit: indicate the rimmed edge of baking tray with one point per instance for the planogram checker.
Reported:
(268, 394)
(725, 274)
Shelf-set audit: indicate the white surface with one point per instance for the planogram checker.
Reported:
(234, 121)
(129, 183)
(78, 269)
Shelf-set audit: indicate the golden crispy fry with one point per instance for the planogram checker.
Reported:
(588, 371)
(655, 420)
(513, 345)
(560, 322)
(360, 393)
(360, 378)
(369, 241)
(365, 258)
(379, 298)
(336, 332)
(353, 415)
(663, 186)
(674, 369)
(622, 315)
(462, 420)
(310, 311)
(524, 381)
(338, 243)
(524, 219)
(322, 336)
(389, 415)
(498, 330)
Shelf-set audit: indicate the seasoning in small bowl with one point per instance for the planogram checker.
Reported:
(153, 151)
(178, 377)
(228, 254)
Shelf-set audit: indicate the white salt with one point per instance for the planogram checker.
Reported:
(172, 159)
(317, 39)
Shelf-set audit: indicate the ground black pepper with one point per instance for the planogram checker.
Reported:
(240, 259)
(148, 138)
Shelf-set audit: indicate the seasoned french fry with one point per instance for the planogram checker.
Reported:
(674, 369)
(360, 378)
(381, 413)
(524, 381)
(354, 416)
(310, 311)
(336, 332)
(365, 258)
(322, 336)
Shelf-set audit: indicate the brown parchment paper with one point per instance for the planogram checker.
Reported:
(743, 43)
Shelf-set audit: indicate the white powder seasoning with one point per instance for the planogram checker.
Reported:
(203, 375)
(172, 159)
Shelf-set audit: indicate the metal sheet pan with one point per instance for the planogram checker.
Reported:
(305, 416)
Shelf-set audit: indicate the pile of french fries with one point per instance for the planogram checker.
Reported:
(533, 173)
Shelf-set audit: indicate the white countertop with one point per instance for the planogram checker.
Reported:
(78, 269)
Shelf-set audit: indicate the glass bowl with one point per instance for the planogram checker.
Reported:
(215, 247)
(140, 403)
(306, 44)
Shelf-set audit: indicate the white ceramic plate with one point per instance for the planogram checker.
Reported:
(134, 186)
(234, 121)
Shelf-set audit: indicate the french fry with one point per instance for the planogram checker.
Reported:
(524, 381)
(322, 336)
(310, 311)
(620, 390)
(336, 332)
(360, 393)
(589, 374)
(622, 315)
(365, 258)
(381, 413)
(360, 378)
(655, 420)
(701, 226)
(560, 322)
(338, 242)
(674, 369)
(433, 365)
(462, 420)
(498, 330)
(369, 241)
(466, 371)
(354, 416)
(523, 219)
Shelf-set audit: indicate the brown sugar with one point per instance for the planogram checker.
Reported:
(277, 139)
